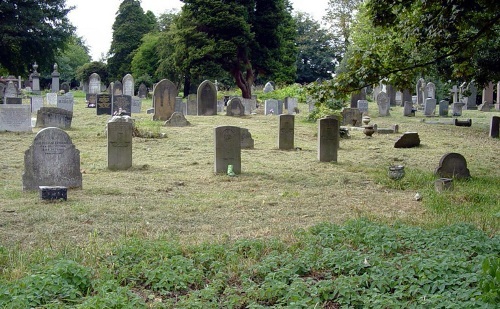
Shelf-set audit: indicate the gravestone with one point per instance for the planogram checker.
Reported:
(117, 88)
(356, 96)
(408, 140)
(227, 149)
(207, 99)
(420, 91)
(429, 107)
(94, 83)
(136, 105)
(286, 132)
(10, 90)
(103, 106)
(408, 109)
(164, 95)
(391, 93)
(55, 79)
(291, 105)
(351, 117)
(15, 118)
(220, 106)
(431, 90)
(36, 79)
(495, 126)
(65, 87)
(65, 101)
(235, 108)
(452, 165)
(249, 105)
(472, 96)
(119, 130)
(247, 141)
(488, 94)
(271, 107)
(51, 98)
(363, 106)
(128, 85)
(268, 87)
(399, 98)
(122, 105)
(457, 108)
(179, 106)
(2, 91)
(192, 104)
(13, 101)
(383, 104)
(52, 160)
(454, 93)
(328, 139)
(177, 120)
(91, 99)
(485, 107)
(54, 117)
(36, 103)
(142, 92)
(443, 108)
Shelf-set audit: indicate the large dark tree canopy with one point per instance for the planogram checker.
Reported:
(32, 31)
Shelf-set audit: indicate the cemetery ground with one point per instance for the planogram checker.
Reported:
(288, 231)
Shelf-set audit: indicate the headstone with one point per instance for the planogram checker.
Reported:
(227, 149)
(119, 130)
(328, 139)
(291, 105)
(485, 107)
(495, 126)
(142, 91)
(399, 98)
(54, 117)
(488, 94)
(94, 83)
(268, 87)
(235, 108)
(122, 105)
(356, 96)
(36, 79)
(363, 106)
(15, 118)
(192, 104)
(207, 99)
(408, 109)
(429, 107)
(117, 88)
(55, 79)
(457, 108)
(136, 105)
(271, 107)
(52, 160)
(52, 98)
(452, 165)
(91, 99)
(179, 105)
(2, 91)
(13, 101)
(383, 104)
(36, 103)
(247, 141)
(177, 120)
(65, 101)
(286, 132)
(431, 90)
(65, 87)
(420, 91)
(443, 108)
(472, 96)
(103, 104)
(165, 93)
(408, 140)
(454, 92)
(249, 105)
(220, 106)
(10, 90)
(128, 85)
(352, 117)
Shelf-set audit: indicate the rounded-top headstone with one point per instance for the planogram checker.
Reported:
(452, 165)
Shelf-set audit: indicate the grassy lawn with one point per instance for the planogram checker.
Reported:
(289, 231)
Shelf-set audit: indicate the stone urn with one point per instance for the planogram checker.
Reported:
(368, 130)
(366, 120)
(396, 172)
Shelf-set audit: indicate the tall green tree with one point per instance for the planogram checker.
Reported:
(131, 24)
(32, 31)
(316, 52)
(340, 16)
(75, 55)
(246, 38)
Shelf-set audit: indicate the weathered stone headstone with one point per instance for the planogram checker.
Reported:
(443, 108)
(247, 141)
(286, 132)
(192, 104)
(119, 130)
(122, 105)
(452, 165)
(55, 79)
(356, 96)
(227, 149)
(291, 105)
(54, 117)
(457, 108)
(36, 103)
(408, 140)
(136, 105)
(383, 104)
(128, 85)
(351, 117)
(271, 107)
(431, 90)
(363, 106)
(207, 99)
(15, 118)
(179, 106)
(249, 105)
(220, 106)
(65, 87)
(165, 93)
(117, 88)
(429, 107)
(13, 101)
(177, 120)
(454, 92)
(94, 83)
(471, 98)
(495, 126)
(52, 160)
(51, 98)
(485, 107)
(488, 94)
(142, 92)
(65, 101)
(399, 98)
(91, 99)
(10, 90)
(408, 109)
(268, 87)
(328, 139)
(420, 91)
(103, 106)
(235, 108)
(36, 79)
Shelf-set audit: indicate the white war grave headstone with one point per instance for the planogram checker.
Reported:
(15, 118)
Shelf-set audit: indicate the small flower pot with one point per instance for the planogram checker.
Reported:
(396, 172)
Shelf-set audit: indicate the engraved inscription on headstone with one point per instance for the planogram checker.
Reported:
(207, 99)
(128, 85)
(15, 118)
(94, 83)
(227, 149)
(103, 104)
(122, 104)
(165, 93)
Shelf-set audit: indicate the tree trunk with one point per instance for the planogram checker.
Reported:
(244, 81)
(187, 85)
